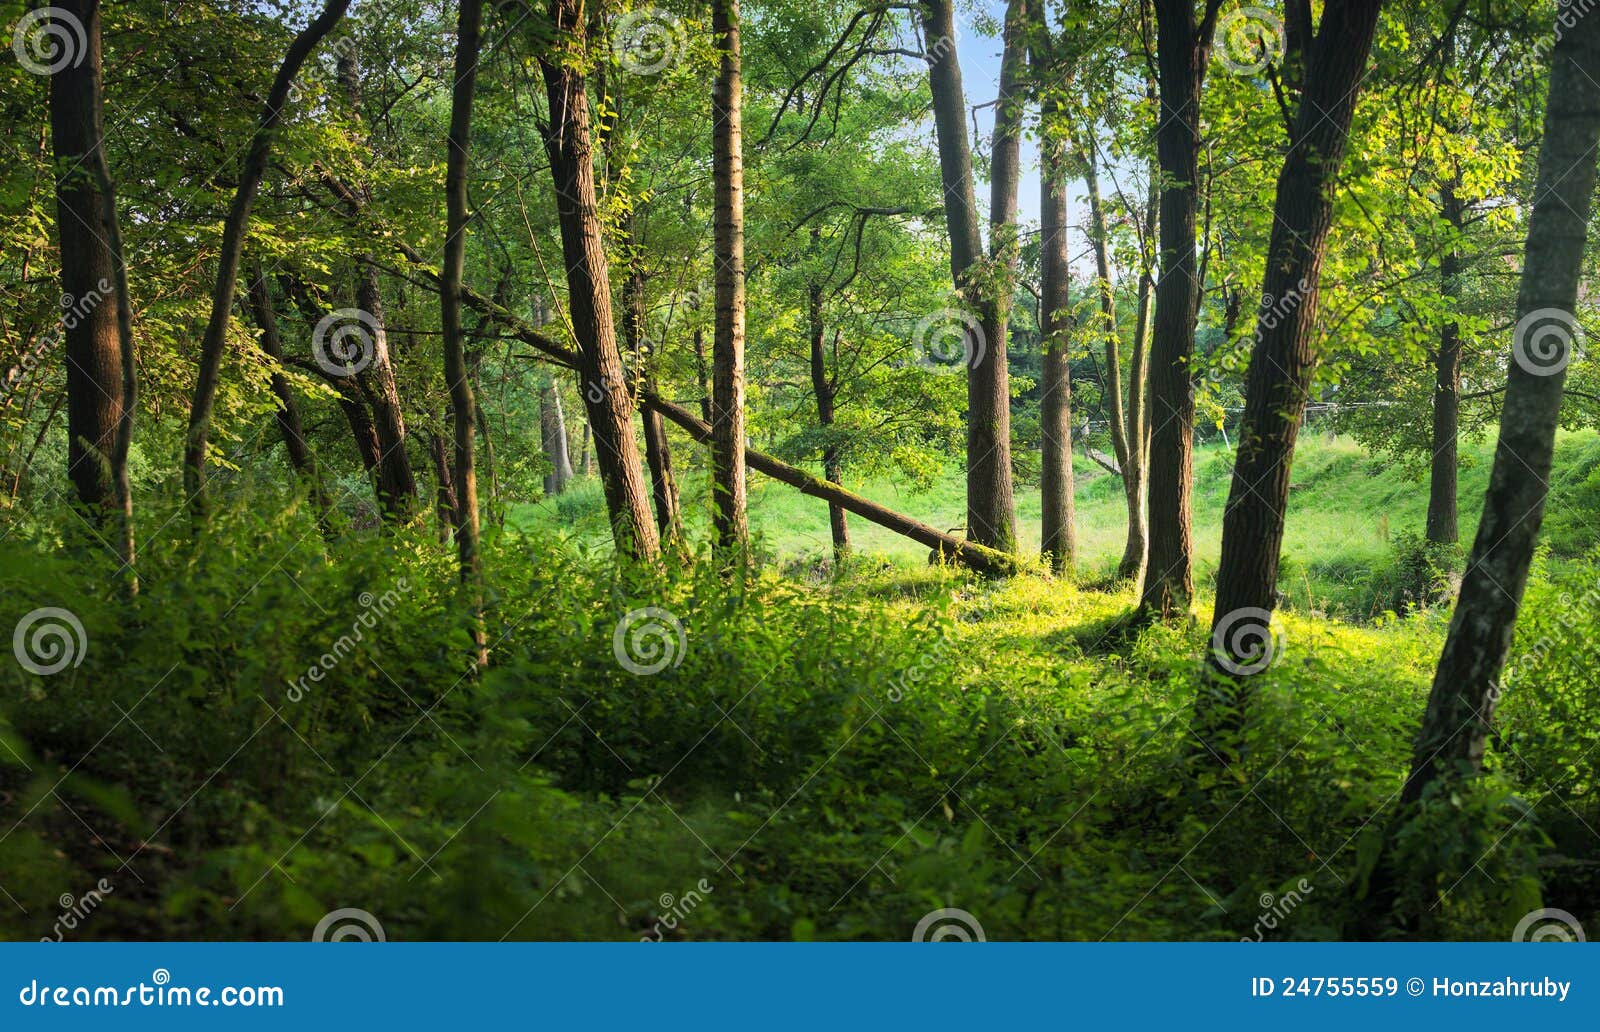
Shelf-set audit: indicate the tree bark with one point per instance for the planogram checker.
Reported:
(463, 406)
(301, 458)
(823, 387)
(1058, 543)
(553, 440)
(605, 390)
(101, 384)
(444, 490)
(1466, 686)
(1138, 431)
(727, 346)
(991, 520)
(657, 450)
(234, 230)
(1183, 48)
(1283, 360)
(1442, 523)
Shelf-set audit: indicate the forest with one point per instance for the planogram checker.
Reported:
(930, 470)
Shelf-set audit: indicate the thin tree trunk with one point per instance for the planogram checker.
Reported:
(301, 458)
(585, 466)
(990, 517)
(657, 450)
(1183, 48)
(1138, 430)
(1058, 537)
(1442, 523)
(234, 229)
(702, 373)
(101, 389)
(1466, 686)
(553, 441)
(444, 492)
(1282, 362)
(605, 390)
(823, 387)
(727, 346)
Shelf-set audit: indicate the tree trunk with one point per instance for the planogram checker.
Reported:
(702, 373)
(605, 390)
(990, 519)
(727, 346)
(823, 387)
(301, 458)
(657, 450)
(1466, 686)
(1441, 527)
(234, 229)
(1138, 430)
(101, 389)
(1183, 48)
(444, 491)
(553, 441)
(1282, 361)
(1058, 543)
(585, 466)
(463, 406)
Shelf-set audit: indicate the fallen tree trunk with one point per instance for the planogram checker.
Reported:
(967, 553)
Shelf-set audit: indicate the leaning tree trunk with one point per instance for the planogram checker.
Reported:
(1183, 47)
(1138, 429)
(290, 425)
(990, 517)
(100, 372)
(463, 406)
(1466, 686)
(657, 450)
(1442, 523)
(605, 389)
(1058, 539)
(234, 229)
(1282, 364)
(727, 346)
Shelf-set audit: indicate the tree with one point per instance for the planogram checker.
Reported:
(727, 346)
(1284, 357)
(1466, 685)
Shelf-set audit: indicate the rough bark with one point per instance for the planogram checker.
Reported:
(657, 450)
(990, 517)
(1442, 522)
(234, 230)
(101, 389)
(553, 440)
(1466, 686)
(1183, 48)
(825, 391)
(1058, 543)
(570, 147)
(727, 346)
(1283, 359)
(463, 406)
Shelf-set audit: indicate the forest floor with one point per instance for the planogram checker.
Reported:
(830, 755)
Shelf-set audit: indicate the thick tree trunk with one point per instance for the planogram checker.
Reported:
(823, 387)
(97, 325)
(605, 390)
(1282, 361)
(234, 230)
(1466, 686)
(991, 520)
(463, 406)
(1058, 543)
(553, 441)
(1183, 48)
(727, 346)
(301, 458)
(1441, 527)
